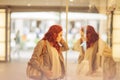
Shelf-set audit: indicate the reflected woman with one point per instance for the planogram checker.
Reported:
(97, 58)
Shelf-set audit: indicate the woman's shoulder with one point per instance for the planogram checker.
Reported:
(43, 42)
(102, 42)
(40, 43)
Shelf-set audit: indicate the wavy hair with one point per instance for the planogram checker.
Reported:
(91, 35)
(52, 35)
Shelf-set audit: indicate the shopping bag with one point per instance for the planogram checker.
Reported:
(33, 72)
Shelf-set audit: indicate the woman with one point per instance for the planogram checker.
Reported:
(53, 62)
(97, 58)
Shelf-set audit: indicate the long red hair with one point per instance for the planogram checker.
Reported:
(91, 36)
(52, 35)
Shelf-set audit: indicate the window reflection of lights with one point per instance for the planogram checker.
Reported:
(90, 5)
(116, 39)
(77, 16)
(2, 19)
(28, 4)
(71, 0)
(53, 16)
(35, 15)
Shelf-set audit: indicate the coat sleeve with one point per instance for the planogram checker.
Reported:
(64, 45)
(78, 47)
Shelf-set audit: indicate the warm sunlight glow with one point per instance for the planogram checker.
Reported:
(2, 51)
(116, 38)
(2, 19)
(71, 0)
(2, 32)
(51, 15)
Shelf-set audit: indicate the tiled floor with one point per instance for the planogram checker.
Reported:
(16, 68)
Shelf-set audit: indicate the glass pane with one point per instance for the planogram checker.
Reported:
(116, 50)
(2, 19)
(2, 51)
(116, 22)
(3, 35)
(116, 33)
(2, 10)
(2, 38)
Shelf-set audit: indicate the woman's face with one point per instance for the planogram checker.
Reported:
(81, 33)
(59, 37)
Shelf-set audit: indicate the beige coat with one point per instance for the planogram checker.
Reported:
(43, 49)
